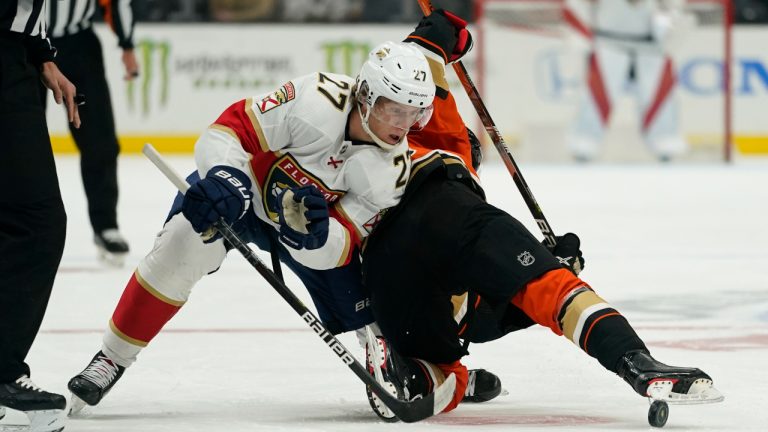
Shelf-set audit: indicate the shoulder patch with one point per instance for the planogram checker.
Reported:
(283, 95)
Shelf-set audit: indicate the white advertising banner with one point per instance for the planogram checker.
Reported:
(191, 73)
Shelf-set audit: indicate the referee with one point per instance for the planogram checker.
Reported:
(32, 218)
(80, 58)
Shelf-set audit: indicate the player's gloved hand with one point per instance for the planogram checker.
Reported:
(443, 33)
(477, 149)
(225, 192)
(303, 214)
(568, 253)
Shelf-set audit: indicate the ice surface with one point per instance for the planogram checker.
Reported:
(679, 249)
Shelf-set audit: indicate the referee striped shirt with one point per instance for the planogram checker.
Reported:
(68, 17)
(23, 16)
(27, 20)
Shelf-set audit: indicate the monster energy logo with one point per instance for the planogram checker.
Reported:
(345, 57)
(154, 58)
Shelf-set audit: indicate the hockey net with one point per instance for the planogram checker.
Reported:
(529, 67)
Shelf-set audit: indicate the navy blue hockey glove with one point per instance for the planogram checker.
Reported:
(303, 214)
(568, 253)
(225, 192)
(443, 33)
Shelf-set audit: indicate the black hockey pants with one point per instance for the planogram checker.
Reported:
(443, 239)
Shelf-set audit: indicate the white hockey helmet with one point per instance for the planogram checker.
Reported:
(395, 72)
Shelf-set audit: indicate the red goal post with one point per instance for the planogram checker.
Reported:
(544, 23)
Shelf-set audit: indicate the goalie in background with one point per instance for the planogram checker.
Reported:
(629, 43)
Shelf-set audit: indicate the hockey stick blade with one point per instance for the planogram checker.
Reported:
(407, 411)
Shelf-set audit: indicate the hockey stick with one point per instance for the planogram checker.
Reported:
(498, 142)
(407, 411)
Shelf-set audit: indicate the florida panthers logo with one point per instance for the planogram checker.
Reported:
(286, 173)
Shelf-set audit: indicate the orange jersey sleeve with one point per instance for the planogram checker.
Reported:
(446, 130)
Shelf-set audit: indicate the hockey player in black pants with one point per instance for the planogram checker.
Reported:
(467, 271)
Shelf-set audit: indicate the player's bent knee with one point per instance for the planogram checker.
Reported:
(543, 298)
(179, 259)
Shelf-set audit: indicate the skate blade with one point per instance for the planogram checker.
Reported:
(77, 407)
(39, 421)
(112, 259)
(377, 359)
(379, 408)
(700, 392)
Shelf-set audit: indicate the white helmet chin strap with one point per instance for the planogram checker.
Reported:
(381, 143)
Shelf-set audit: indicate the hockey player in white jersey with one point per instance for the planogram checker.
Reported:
(304, 172)
(630, 42)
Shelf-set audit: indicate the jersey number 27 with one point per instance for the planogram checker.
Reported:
(337, 92)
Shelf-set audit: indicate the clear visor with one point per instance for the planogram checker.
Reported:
(400, 116)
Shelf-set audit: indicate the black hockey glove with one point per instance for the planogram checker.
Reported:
(568, 253)
(225, 192)
(443, 33)
(477, 149)
(303, 214)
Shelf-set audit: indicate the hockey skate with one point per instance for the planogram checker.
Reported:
(482, 386)
(406, 379)
(376, 349)
(44, 410)
(112, 247)
(94, 382)
(664, 384)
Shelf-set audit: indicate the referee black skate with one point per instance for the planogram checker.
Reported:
(32, 217)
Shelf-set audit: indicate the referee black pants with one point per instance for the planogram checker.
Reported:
(80, 59)
(32, 217)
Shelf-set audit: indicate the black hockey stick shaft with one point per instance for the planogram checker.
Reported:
(407, 411)
(498, 142)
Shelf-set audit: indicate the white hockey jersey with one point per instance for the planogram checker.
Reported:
(628, 23)
(298, 135)
(630, 18)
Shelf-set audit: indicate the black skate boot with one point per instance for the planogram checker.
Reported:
(378, 362)
(405, 378)
(45, 410)
(482, 386)
(651, 378)
(112, 246)
(94, 382)
(665, 384)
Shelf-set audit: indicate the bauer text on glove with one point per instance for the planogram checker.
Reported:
(225, 192)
